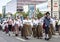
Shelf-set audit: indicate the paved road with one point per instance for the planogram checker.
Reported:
(12, 38)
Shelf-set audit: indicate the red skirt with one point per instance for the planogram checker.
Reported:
(6, 29)
(13, 28)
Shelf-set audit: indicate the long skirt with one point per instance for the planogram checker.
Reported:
(0, 27)
(6, 29)
(34, 30)
(59, 30)
(26, 30)
(52, 29)
(39, 31)
(20, 28)
(9, 27)
(13, 28)
(16, 29)
(50, 33)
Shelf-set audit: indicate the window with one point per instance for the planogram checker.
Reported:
(19, 10)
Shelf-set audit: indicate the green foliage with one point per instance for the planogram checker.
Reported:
(16, 14)
(0, 15)
(26, 14)
(39, 14)
(8, 15)
(21, 13)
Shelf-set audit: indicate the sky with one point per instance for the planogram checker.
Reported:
(2, 3)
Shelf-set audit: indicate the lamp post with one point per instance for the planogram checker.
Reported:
(34, 10)
(51, 8)
(3, 11)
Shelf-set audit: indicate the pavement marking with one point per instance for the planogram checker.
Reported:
(57, 36)
(20, 39)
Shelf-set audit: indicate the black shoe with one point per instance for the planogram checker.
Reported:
(34, 36)
(40, 37)
(47, 39)
(9, 34)
(26, 38)
(16, 34)
(37, 37)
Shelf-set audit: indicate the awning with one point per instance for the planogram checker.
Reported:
(26, 2)
(39, 0)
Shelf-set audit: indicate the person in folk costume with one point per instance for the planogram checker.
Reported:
(17, 24)
(39, 29)
(35, 23)
(16, 27)
(27, 30)
(47, 21)
(13, 25)
(59, 27)
(9, 24)
(20, 24)
(52, 26)
(3, 26)
(6, 27)
(51, 30)
(0, 26)
(56, 25)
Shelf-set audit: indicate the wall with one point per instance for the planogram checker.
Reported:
(11, 6)
(55, 8)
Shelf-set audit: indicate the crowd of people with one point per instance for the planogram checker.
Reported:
(32, 27)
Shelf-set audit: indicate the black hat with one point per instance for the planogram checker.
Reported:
(47, 13)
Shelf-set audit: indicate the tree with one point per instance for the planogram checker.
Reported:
(21, 13)
(16, 14)
(26, 14)
(38, 14)
(0, 15)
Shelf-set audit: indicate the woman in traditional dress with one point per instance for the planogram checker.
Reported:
(27, 30)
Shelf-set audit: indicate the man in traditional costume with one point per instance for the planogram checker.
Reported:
(47, 21)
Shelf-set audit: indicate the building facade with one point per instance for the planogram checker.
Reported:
(59, 9)
(11, 6)
(25, 5)
(3, 11)
(55, 8)
(19, 5)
